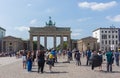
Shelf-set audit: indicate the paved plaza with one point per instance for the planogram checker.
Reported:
(61, 70)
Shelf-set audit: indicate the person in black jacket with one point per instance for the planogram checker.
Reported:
(96, 60)
(41, 61)
(77, 57)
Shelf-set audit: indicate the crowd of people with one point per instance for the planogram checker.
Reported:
(5, 54)
(49, 57)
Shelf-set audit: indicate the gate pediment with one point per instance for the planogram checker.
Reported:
(50, 28)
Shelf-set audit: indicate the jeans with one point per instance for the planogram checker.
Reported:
(109, 67)
(117, 62)
(40, 66)
(88, 58)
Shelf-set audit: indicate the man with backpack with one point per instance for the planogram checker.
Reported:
(69, 53)
(77, 57)
(88, 55)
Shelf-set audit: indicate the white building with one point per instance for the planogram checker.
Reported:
(2, 34)
(108, 38)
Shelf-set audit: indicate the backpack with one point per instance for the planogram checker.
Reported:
(77, 55)
(69, 54)
(51, 56)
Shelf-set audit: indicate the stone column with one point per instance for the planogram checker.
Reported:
(68, 40)
(31, 42)
(45, 42)
(55, 42)
(96, 46)
(6, 49)
(38, 42)
(61, 42)
(2, 46)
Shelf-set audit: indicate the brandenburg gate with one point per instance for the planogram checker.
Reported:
(50, 30)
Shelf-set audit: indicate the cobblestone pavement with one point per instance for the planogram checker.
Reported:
(61, 70)
(7, 60)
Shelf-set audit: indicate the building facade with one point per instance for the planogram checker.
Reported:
(87, 43)
(74, 44)
(108, 38)
(12, 44)
(2, 34)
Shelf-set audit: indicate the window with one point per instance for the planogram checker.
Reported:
(112, 36)
(109, 31)
(116, 42)
(113, 42)
(109, 42)
(116, 48)
(10, 43)
(105, 31)
(102, 42)
(106, 42)
(109, 36)
(116, 31)
(104, 36)
(102, 31)
(116, 36)
(88, 43)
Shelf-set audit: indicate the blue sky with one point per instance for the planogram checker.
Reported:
(83, 16)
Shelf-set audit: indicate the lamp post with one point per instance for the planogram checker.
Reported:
(112, 28)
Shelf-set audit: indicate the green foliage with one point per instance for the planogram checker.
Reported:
(64, 46)
(35, 46)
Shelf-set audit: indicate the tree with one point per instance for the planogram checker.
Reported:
(35, 46)
(64, 46)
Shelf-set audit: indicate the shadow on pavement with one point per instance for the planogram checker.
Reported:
(53, 72)
(56, 72)
(60, 66)
(103, 71)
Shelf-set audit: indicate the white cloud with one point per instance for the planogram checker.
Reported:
(22, 28)
(83, 19)
(76, 32)
(33, 21)
(49, 10)
(28, 5)
(97, 6)
(114, 18)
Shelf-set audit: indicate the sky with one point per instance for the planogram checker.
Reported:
(82, 16)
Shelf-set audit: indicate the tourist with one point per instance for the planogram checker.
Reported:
(110, 60)
(117, 55)
(24, 59)
(33, 57)
(77, 57)
(63, 53)
(41, 61)
(101, 59)
(59, 53)
(88, 55)
(53, 52)
(50, 61)
(69, 54)
(29, 61)
(96, 60)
